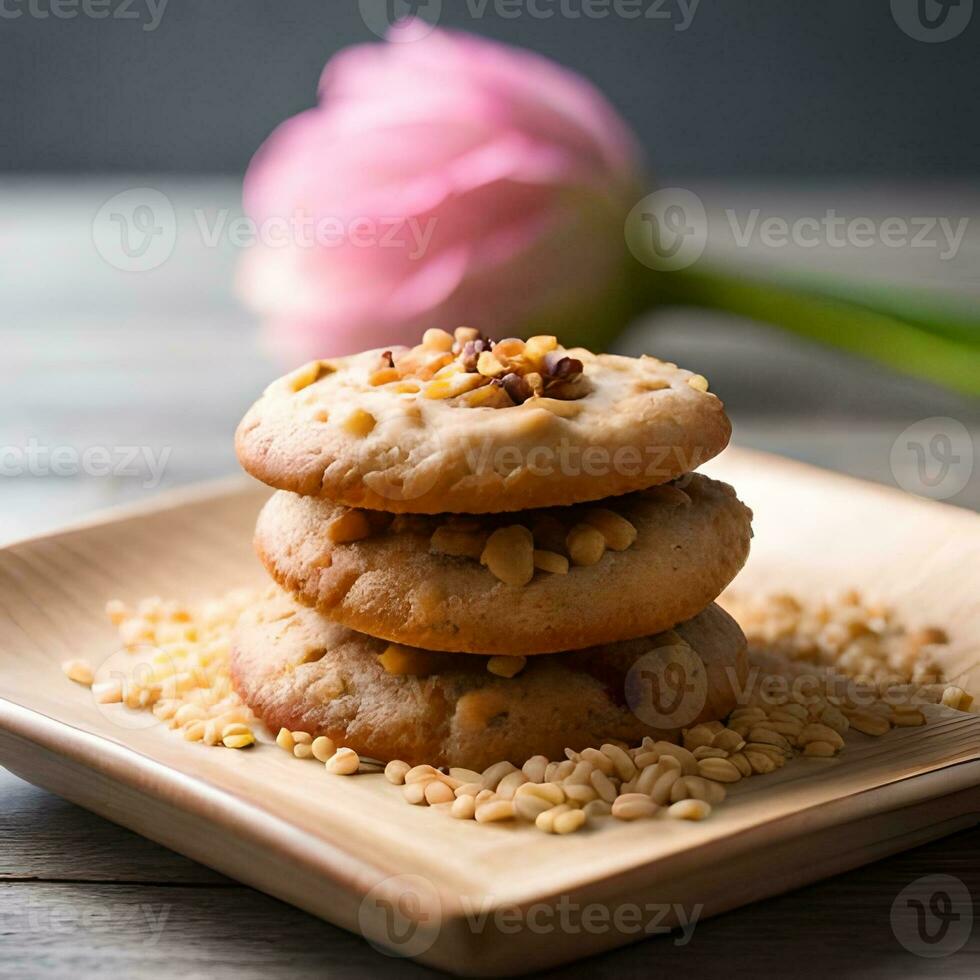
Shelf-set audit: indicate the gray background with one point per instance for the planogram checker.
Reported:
(752, 87)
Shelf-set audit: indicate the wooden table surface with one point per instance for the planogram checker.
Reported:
(81, 897)
(93, 356)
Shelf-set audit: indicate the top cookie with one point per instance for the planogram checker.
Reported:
(460, 424)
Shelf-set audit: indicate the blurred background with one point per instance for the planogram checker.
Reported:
(117, 382)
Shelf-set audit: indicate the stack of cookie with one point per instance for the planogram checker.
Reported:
(489, 551)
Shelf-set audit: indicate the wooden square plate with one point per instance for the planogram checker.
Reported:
(488, 899)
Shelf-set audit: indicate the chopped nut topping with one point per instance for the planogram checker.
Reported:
(359, 423)
(308, 374)
(456, 384)
(549, 561)
(457, 365)
(518, 389)
(469, 357)
(437, 340)
(488, 365)
(585, 544)
(618, 532)
(398, 659)
(463, 335)
(512, 552)
(559, 365)
(506, 666)
(698, 382)
(384, 376)
(509, 554)
(509, 348)
(489, 396)
(352, 525)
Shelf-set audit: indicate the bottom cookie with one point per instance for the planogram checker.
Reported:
(296, 669)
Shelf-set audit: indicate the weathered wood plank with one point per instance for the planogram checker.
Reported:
(55, 930)
(44, 837)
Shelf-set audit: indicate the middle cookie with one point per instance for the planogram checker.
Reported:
(564, 578)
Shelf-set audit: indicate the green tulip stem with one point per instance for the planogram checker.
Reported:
(929, 344)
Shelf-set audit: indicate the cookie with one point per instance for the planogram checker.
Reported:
(299, 670)
(455, 426)
(419, 580)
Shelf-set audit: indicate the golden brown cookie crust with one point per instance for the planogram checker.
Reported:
(337, 436)
(390, 584)
(297, 669)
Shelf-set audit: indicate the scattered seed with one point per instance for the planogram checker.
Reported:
(463, 808)
(633, 806)
(493, 811)
(344, 762)
(395, 772)
(79, 671)
(568, 822)
(689, 810)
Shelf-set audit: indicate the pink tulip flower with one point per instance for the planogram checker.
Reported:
(443, 182)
